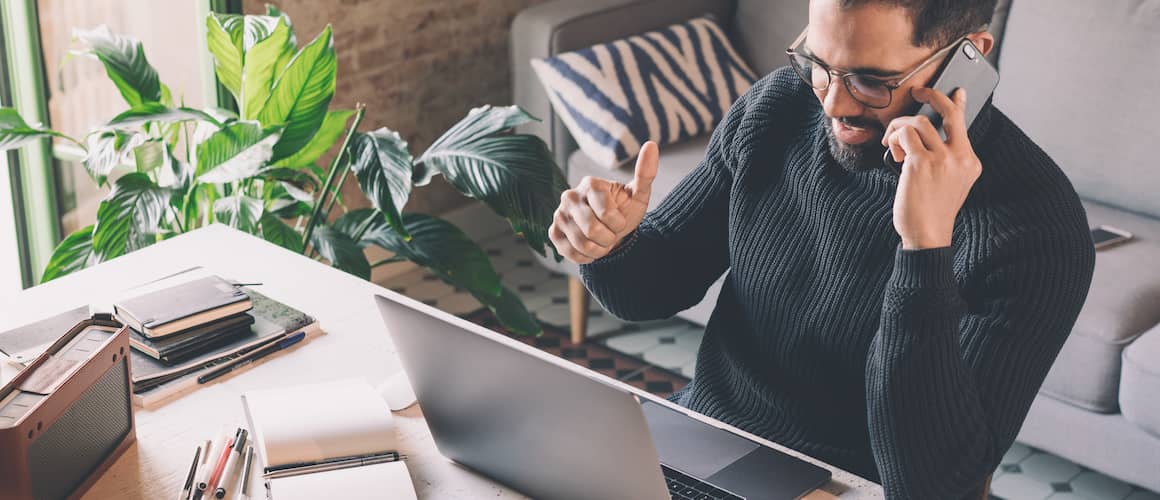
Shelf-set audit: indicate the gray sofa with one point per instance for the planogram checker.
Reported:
(1080, 78)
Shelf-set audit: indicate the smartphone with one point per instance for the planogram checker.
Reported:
(1106, 236)
(966, 68)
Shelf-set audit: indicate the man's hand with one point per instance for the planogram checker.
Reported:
(597, 214)
(936, 175)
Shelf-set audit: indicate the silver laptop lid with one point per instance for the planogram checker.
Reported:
(536, 423)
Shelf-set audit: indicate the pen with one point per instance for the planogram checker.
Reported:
(244, 482)
(342, 464)
(232, 466)
(207, 466)
(208, 486)
(253, 356)
(189, 477)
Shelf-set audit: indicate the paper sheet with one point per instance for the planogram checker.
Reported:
(308, 423)
(369, 482)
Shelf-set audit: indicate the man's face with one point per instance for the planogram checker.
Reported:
(875, 39)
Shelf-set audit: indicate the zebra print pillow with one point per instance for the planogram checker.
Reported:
(666, 86)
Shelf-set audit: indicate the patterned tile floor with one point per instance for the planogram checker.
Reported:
(659, 356)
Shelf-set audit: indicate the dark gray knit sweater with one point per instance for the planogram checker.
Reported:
(911, 368)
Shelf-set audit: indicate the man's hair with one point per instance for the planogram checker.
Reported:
(939, 22)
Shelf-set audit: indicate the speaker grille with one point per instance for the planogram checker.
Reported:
(68, 451)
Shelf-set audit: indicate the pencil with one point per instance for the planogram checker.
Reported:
(189, 477)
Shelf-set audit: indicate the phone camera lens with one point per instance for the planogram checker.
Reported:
(969, 50)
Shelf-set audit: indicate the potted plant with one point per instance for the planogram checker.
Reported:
(173, 169)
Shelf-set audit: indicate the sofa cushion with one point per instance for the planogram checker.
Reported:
(1080, 79)
(1124, 302)
(666, 86)
(1140, 383)
(676, 161)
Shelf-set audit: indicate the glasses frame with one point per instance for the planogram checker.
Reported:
(891, 84)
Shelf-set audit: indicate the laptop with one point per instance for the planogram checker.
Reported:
(551, 429)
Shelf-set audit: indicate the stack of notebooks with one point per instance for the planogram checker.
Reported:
(186, 328)
(186, 320)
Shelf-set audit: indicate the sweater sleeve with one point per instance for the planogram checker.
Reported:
(951, 375)
(680, 248)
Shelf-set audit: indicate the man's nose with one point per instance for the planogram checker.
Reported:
(838, 102)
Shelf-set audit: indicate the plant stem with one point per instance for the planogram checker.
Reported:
(391, 260)
(334, 166)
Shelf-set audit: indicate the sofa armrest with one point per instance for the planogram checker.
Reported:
(564, 25)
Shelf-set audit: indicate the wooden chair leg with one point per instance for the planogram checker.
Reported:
(578, 304)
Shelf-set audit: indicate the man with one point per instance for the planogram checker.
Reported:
(896, 326)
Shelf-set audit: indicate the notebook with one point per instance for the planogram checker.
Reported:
(193, 342)
(172, 310)
(297, 428)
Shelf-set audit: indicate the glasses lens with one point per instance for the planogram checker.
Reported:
(814, 75)
(869, 90)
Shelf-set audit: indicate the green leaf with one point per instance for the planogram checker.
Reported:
(259, 68)
(15, 132)
(296, 177)
(71, 255)
(341, 251)
(152, 155)
(513, 174)
(226, 50)
(109, 149)
(435, 243)
(157, 112)
(238, 151)
(279, 233)
(330, 132)
(382, 164)
(239, 211)
(129, 217)
(125, 63)
(512, 312)
(301, 95)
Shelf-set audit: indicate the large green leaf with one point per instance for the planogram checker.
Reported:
(109, 149)
(239, 211)
(435, 243)
(514, 174)
(226, 50)
(259, 67)
(152, 155)
(157, 112)
(341, 251)
(301, 95)
(331, 130)
(125, 63)
(129, 217)
(238, 151)
(511, 311)
(73, 254)
(15, 132)
(299, 178)
(277, 232)
(381, 162)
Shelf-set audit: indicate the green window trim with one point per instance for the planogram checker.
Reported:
(39, 229)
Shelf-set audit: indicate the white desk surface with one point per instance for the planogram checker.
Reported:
(356, 344)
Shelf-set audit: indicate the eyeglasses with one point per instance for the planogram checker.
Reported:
(871, 91)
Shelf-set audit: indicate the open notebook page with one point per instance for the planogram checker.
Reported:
(369, 482)
(314, 422)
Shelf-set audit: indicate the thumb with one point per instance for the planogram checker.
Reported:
(646, 169)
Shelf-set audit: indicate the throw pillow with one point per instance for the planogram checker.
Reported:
(666, 86)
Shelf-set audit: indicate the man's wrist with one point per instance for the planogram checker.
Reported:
(921, 243)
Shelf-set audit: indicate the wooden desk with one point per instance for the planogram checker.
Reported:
(356, 345)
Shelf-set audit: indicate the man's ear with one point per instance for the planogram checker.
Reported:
(983, 40)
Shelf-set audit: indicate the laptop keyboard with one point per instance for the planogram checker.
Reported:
(685, 487)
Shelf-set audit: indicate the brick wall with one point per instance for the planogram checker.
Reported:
(418, 65)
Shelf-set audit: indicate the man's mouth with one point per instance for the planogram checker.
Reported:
(850, 134)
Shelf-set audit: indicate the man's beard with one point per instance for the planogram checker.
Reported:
(856, 157)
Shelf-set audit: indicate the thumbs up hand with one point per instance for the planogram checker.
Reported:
(596, 215)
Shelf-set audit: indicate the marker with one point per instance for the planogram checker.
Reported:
(232, 465)
(189, 478)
